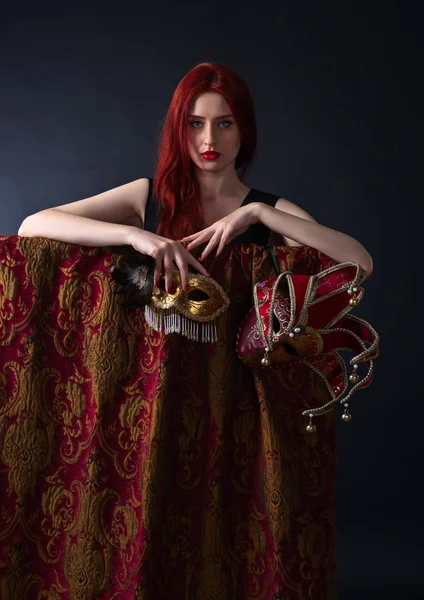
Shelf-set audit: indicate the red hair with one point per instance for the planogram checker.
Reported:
(175, 187)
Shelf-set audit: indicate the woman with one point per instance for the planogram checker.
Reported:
(235, 504)
(209, 133)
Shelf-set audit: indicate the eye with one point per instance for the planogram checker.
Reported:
(226, 124)
(290, 350)
(198, 296)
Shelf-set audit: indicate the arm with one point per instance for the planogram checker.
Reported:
(54, 224)
(294, 223)
(103, 220)
(94, 221)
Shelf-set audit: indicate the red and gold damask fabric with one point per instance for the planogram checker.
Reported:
(135, 465)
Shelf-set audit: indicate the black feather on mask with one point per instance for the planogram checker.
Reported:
(134, 272)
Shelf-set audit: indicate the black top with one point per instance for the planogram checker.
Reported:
(255, 234)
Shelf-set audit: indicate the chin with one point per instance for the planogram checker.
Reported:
(214, 165)
(209, 166)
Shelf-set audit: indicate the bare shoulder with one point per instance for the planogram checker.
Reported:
(297, 211)
(139, 200)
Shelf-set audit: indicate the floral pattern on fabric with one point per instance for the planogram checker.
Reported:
(135, 465)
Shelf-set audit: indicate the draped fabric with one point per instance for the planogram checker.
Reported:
(135, 465)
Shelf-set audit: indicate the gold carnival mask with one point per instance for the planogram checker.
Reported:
(190, 313)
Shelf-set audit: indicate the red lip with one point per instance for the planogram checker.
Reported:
(210, 155)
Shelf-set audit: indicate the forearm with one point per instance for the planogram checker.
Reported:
(335, 244)
(65, 227)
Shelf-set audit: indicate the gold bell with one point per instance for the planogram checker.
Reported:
(354, 301)
(310, 427)
(346, 416)
(354, 377)
(265, 361)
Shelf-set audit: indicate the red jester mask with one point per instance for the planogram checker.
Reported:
(303, 319)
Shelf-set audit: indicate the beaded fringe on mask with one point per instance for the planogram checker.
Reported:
(172, 321)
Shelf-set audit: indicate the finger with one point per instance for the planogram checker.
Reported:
(183, 268)
(221, 245)
(158, 270)
(212, 243)
(195, 263)
(187, 238)
(167, 265)
(201, 239)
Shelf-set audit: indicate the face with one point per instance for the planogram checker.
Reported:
(211, 127)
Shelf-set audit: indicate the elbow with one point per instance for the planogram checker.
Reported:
(25, 228)
(32, 226)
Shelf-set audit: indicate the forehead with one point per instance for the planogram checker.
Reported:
(209, 103)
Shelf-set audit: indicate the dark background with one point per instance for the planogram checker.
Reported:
(84, 89)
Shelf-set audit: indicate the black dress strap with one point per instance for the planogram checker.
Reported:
(151, 214)
(256, 234)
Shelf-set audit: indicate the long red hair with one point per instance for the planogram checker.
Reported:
(175, 188)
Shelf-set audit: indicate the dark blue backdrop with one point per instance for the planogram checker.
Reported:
(83, 91)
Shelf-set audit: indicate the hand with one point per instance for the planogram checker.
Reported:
(165, 252)
(223, 231)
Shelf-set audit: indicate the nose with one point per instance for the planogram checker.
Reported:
(209, 135)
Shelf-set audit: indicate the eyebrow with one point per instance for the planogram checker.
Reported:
(199, 117)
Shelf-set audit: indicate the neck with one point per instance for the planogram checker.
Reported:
(214, 186)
